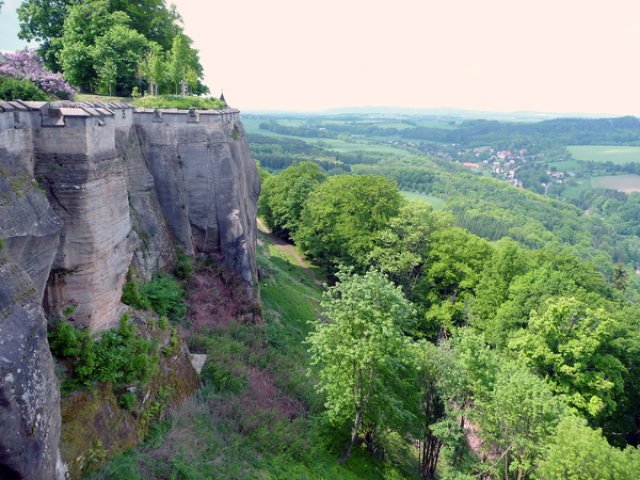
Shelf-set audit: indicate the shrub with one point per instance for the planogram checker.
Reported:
(127, 400)
(132, 295)
(118, 355)
(165, 296)
(184, 266)
(17, 89)
(176, 101)
(27, 65)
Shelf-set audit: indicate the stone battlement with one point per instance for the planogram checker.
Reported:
(18, 114)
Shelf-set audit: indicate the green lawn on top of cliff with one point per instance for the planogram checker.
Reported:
(257, 415)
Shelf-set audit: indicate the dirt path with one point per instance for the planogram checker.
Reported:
(289, 249)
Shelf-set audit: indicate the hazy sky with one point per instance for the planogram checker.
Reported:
(507, 55)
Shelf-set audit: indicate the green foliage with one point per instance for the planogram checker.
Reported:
(133, 296)
(223, 367)
(516, 419)
(341, 217)
(182, 103)
(184, 266)
(13, 88)
(366, 365)
(573, 345)
(127, 400)
(577, 452)
(101, 44)
(283, 196)
(166, 297)
(162, 294)
(118, 356)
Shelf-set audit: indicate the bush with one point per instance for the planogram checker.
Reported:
(15, 89)
(166, 297)
(27, 65)
(184, 266)
(132, 295)
(118, 355)
(163, 294)
(176, 101)
(127, 400)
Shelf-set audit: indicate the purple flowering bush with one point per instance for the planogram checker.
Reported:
(27, 65)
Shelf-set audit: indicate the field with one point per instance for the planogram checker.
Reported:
(435, 202)
(252, 125)
(623, 183)
(606, 153)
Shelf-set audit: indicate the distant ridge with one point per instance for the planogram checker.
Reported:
(519, 116)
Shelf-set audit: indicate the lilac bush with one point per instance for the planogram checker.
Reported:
(26, 64)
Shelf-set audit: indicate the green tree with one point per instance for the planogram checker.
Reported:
(283, 196)
(122, 49)
(400, 249)
(341, 217)
(42, 21)
(516, 418)
(577, 452)
(365, 363)
(153, 68)
(84, 24)
(107, 75)
(574, 345)
(453, 264)
(177, 62)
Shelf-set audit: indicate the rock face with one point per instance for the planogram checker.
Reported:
(206, 183)
(29, 235)
(89, 192)
(79, 166)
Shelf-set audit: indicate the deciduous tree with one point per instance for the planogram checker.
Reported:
(365, 362)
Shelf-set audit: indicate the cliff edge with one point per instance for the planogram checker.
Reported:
(89, 192)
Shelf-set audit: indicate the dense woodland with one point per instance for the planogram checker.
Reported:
(438, 332)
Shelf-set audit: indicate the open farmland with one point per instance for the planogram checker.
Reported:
(623, 183)
(616, 154)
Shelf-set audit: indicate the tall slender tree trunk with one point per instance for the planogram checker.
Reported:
(354, 437)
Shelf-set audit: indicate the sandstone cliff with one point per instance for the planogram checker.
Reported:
(88, 192)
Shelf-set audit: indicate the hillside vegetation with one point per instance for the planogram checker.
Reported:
(482, 354)
(257, 414)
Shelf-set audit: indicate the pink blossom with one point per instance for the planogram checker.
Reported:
(26, 64)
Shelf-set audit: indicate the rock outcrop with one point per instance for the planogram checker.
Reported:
(89, 192)
(29, 235)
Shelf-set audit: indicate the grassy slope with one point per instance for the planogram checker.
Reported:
(258, 419)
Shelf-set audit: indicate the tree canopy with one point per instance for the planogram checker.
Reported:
(365, 362)
(103, 45)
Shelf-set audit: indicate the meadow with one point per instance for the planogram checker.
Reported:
(435, 202)
(616, 154)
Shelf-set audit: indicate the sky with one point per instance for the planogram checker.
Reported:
(497, 55)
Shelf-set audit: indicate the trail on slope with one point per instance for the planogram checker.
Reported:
(291, 251)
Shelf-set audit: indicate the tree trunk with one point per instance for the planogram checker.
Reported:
(354, 437)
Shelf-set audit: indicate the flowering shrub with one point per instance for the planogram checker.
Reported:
(27, 65)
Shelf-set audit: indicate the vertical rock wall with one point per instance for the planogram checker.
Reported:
(85, 190)
(87, 187)
(206, 183)
(29, 232)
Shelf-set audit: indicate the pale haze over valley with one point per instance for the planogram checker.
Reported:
(544, 55)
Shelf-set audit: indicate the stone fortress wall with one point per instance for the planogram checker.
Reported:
(88, 193)
(179, 173)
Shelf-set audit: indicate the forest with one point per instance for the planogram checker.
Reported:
(499, 356)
